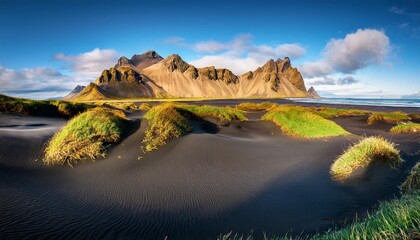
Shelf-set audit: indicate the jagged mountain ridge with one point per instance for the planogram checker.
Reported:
(73, 93)
(173, 77)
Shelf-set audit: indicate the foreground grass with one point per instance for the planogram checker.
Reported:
(223, 114)
(393, 117)
(406, 128)
(300, 122)
(164, 122)
(327, 112)
(412, 183)
(397, 219)
(85, 137)
(248, 106)
(41, 108)
(364, 153)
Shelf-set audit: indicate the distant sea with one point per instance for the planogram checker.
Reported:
(363, 101)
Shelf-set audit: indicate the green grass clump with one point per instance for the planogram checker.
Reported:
(85, 136)
(41, 108)
(70, 109)
(414, 116)
(406, 128)
(412, 183)
(26, 106)
(300, 122)
(393, 117)
(145, 106)
(327, 112)
(164, 122)
(224, 114)
(265, 106)
(362, 154)
(397, 219)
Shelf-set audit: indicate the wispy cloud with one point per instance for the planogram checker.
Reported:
(87, 66)
(331, 80)
(239, 55)
(411, 25)
(356, 51)
(34, 83)
(44, 82)
(402, 11)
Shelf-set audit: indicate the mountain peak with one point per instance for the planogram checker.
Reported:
(175, 62)
(145, 59)
(313, 92)
(123, 61)
(73, 93)
(284, 64)
(151, 54)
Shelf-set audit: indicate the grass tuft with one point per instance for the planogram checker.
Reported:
(397, 219)
(145, 106)
(85, 137)
(169, 120)
(300, 122)
(412, 183)
(41, 108)
(265, 106)
(327, 112)
(164, 123)
(70, 109)
(414, 116)
(406, 128)
(224, 114)
(393, 117)
(362, 154)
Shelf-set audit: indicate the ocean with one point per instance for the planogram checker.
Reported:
(364, 101)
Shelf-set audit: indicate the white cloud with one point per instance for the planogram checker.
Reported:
(240, 54)
(332, 80)
(236, 64)
(34, 83)
(315, 69)
(210, 47)
(356, 51)
(86, 67)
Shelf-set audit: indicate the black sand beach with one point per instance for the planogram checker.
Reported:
(243, 177)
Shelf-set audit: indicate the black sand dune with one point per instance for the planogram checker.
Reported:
(242, 177)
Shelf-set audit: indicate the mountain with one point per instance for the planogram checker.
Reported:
(313, 93)
(73, 93)
(139, 62)
(149, 75)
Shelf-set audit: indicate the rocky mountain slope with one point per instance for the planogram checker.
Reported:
(73, 93)
(313, 93)
(149, 75)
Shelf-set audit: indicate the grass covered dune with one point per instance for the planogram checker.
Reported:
(300, 122)
(85, 136)
(41, 108)
(406, 128)
(393, 117)
(364, 153)
(169, 120)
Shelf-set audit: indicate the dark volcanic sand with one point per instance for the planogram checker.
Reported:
(243, 177)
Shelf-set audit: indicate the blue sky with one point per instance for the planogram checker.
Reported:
(342, 48)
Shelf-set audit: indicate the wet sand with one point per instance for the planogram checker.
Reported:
(242, 177)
